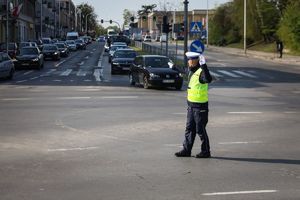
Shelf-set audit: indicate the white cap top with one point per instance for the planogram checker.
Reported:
(192, 55)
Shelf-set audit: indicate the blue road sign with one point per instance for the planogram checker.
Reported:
(195, 27)
(197, 46)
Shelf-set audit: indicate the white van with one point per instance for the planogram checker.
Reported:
(72, 36)
(163, 38)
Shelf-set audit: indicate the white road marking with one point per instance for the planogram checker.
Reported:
(229, 73)
(33, 78)
(16, 99)
(87, 80)
(215, 74)
(97, 74)
(73, 149)
(296, 92)
(66, 73)
(251, 142)
(29, 72)
(120, 97)
(81, 73)
(245, 112)
(87, 57)
(48, 72)
(57, 80)
(290, 112)
(72, 98)
(244, 74)
(239, 192)
(81, 63)
(60, 63)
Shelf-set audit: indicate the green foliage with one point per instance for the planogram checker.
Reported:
(289, 30)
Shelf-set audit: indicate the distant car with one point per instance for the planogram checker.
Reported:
(30, 57)
(122, 59)
(63, 49)
(147, 38)
(155, 70)
(72, 45)
(39, 43)
(12, 49)
(157, 38)
(101, 39)
(51, 51)
(113, 48)
(80, 44)
(7, 68)
(27, 44)
(46, 40)
(163, 38)
(119, 44)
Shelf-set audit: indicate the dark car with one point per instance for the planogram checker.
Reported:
(155, 70)
(118, 38)
(63, 49)
(51, 51)
(30, 57)
(39, 43)
(12, 49)
(7, 68)
(122, 59)
(80, 44)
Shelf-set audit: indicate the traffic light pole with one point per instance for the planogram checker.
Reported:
(185, 30)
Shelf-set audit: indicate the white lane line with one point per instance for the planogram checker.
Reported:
(66, 73)
(57, 80)
(21, 81)
(87, 57)
(16, 99)
(251, 142)
(33, 78)
(245, 112)
(290, 112)
(97, 74)
(229, 73)
(48, 72)
(81, 73)
(120, 97)
(73, 149)
(81, 63)
(215, 74)
(60, 63)
(244, 74)
(29, 72)
(239, 192)
(72, 98)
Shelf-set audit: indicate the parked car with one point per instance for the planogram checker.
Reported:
(80, 44)
(147, 38)
(155, 70)
(113, 48)
(63, 49)
(122, 59)
(51, 51)
(12, 49)
(30, 57)
(72, 45)
(7, 68)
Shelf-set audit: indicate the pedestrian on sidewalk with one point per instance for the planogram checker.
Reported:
(279, 46)
(197, 100)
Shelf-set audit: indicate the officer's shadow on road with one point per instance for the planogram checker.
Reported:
(260, 160)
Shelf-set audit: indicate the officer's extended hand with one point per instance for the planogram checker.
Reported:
(201, 60)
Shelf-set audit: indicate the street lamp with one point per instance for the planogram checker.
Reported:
(245, 26)
(86, 26)
(185, 30)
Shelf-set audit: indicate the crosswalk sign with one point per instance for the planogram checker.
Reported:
(195, 27)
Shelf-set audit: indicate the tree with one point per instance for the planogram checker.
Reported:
(87, 9)
(127, 14)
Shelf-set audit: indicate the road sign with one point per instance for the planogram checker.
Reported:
(197, 46)
(195, 27)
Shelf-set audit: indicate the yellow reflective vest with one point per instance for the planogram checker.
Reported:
(197, 92)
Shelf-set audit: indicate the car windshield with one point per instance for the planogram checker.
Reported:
(60, 45)
(113, 48)
(50, 48)
(29, 51)
(78, 41)
(125, 54)
(157, 62)
(46, 41)
(70, 42)
(24, 44)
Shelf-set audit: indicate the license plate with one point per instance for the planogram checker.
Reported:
(125, 68)
(25, 64)
(168, 81)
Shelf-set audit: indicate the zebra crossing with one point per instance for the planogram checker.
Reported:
(97, 73)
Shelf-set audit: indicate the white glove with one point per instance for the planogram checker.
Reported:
(201, 60)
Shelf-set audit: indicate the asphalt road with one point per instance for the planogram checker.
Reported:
(71, 131)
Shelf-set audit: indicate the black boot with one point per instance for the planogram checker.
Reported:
(203, 155)
(183, 153)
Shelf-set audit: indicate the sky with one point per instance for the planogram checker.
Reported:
(113, 9)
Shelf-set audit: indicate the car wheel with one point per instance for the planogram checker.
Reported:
(178, 87)
(146, 82)
(131, 81)
(11, 74)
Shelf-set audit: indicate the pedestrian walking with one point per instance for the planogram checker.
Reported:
(279, 46)
(197, 101)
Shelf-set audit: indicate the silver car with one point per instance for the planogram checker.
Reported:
(7, 68)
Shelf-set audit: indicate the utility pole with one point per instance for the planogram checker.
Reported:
(6, 35)
(86, 25)
(245, 26)
(41, 20)
(185, 21)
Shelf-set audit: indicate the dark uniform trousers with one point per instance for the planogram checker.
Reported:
(197, 119)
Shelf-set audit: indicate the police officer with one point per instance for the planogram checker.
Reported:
(197, 100)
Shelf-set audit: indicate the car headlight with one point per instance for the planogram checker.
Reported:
(152, 75)
(116, 63)
(55, 53)
(180, 75)
(35, 60)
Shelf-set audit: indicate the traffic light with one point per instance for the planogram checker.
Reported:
(165, 25)
(110, 21)
(154, 18)
(102, 21)
(182, 27)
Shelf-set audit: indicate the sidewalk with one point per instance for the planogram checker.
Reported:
(273, 57)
